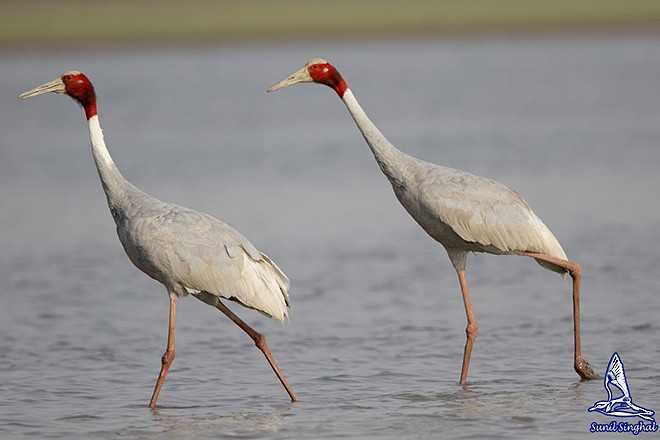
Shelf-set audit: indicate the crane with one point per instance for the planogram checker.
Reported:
(188, 252)
(464, 212)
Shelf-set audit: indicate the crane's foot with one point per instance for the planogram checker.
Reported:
(585, 371)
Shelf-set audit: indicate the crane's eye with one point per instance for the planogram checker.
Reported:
(315, 66)
(67, 77)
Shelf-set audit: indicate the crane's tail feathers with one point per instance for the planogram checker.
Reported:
(272, 299)
(257, 284)
(280, 318)
(214, 301)
(284, 282)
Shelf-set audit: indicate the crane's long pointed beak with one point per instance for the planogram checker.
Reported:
(55, 86)
(300, 76)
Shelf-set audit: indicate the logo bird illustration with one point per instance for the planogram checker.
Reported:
(623, 405)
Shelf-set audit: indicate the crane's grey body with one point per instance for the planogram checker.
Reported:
(189, 251)
(464, 212)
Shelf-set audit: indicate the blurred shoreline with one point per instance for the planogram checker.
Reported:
(42, 24)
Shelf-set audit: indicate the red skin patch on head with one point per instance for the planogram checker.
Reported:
(328, 75)
(80, 88)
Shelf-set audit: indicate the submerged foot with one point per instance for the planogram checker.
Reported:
(585, 371)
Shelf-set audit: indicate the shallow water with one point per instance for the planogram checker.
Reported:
(375, 339)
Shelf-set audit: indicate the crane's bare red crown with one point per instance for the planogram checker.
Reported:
(323, 72)
(78, 86)
(316, 70)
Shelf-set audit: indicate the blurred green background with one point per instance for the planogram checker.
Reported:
(41, 22)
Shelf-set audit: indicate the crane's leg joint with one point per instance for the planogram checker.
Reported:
(471, 330)
(259, 341)
(168, 357)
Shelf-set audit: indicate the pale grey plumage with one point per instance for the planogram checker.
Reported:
(464, 212)
(189, 252)
(185, 250)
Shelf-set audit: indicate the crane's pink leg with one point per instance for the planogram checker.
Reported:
(168, 357)
(581, 365)
(260, 342)
(472, 327)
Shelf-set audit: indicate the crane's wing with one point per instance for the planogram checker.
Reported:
(483, 211)
(192, 252)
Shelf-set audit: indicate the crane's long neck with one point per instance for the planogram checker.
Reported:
(113, 182)
(390, 159)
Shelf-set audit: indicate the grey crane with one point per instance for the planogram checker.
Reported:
(464, 212)
(189, 252)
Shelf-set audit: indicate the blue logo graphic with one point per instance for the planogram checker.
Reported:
(621, 405)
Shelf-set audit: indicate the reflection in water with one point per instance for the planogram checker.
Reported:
(179, 422)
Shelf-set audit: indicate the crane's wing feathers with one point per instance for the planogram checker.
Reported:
(191, 252)
(483, 212)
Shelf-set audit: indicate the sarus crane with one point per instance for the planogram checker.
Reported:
(189, 252)
(464, 212)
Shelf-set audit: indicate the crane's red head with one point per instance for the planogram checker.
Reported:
(72, 83)
(319, 71)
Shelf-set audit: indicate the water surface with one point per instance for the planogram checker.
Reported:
(375, 339)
